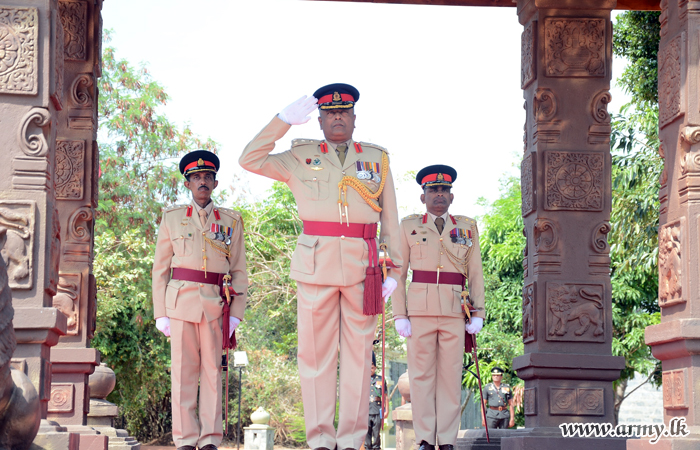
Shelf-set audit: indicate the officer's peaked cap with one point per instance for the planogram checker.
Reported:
(337, 96)
(436, 175)
(199, 161)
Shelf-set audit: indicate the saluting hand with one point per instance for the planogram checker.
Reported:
(475, 325)
(403, 327)
(163, 325)
(298, 112)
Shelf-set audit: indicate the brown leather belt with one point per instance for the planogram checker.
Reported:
(376, 399)
(426, 276)
(497, 408)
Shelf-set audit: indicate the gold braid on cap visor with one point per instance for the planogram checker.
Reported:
(367, 195)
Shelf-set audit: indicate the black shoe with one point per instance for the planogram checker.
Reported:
(425, 446)
(447, 447)
(186, 447)
(208, 447)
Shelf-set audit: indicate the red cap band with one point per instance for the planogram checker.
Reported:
(194, 164)
(329, 98)
(434, 176)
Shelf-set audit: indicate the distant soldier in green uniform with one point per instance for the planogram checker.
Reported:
(499, 398)
(373, 440)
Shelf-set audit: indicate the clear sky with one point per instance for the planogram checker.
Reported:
(438, 84)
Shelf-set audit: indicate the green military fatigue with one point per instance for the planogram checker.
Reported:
(498, 398)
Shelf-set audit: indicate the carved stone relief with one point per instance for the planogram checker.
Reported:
(599, 133)
(575, 312)
(575, 47)
(674, 384)
(70, 168)
(670, 81)
(527, 55)
(663, 179)
(527, 184)
(18, 50)
(526, 262)
(576, 401)
(683, 12)
(663, 18)
(74, 18)
(55, 257)
(529, 313)
(574, 181)
(68, 300)
(544, 110)
(92, 306)
(82, 91)
(689, 160)
(58, 63)
(62, 398)
(18, 217)
(670, 264)
(31, 140)
(530, 401)
(95, 173)
(79, 233)
(599, 260)
(546, 234)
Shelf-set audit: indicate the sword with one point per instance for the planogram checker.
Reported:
(383, 246)
(224, 358)
(472, 344)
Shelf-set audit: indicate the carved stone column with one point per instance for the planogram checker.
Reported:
(676, 340)
(568, 365)
(76, 172)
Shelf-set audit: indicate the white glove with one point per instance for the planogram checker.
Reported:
(388, 288)
(298, 112)
(163, 325)
(403, 327)
(475, 325)
(232, 324)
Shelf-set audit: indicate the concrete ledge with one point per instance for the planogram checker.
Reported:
(673, 330)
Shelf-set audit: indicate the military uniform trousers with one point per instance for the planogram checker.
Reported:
(196, 359)
(373, 440)
(435, 350)
(329, 320)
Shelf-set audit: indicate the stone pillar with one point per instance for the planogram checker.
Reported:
(31, 82)
(75, 179)
(676, 340)
(568, 365)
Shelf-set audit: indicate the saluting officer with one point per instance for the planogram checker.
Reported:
(199, 243)
(342, 189)
(443, 251)
(499, 398)
(373, 440)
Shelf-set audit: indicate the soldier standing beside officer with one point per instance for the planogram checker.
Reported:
(199, 244)
(499, 398)
(443, 251)
(342, 189)
(373, 440)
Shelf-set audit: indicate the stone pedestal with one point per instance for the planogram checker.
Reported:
(568, 365)
(476, 439)
(405, 434)
(258, 437)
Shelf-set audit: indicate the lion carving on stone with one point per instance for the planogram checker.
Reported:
(571, 303)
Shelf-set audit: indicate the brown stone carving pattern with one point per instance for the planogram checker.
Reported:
(18, 252)
(530, 401)
(529, 313)
(574, 181)
(525, 255)
(55, 258)
(663, 17)
(575, 312)
(663, 179)
(575, 47)
(670, 264)
(92, 306)
(600, 238)
(80, 225)
(525, 127)
(68, 300)
(683, 11)
(527, 55)
(34, 144)
(576, 401)
(61, 400)
(670, 81)
(599, 107)
(97, 55)
(674, 384)
(546, 235)
(544, 105)
(58, 58)
(95, 173)
(82, 91)
(70, 168)
(689, 160)
(18, 50)
(527, 185)
(74, 19)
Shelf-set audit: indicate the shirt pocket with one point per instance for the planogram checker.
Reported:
(303, 257)
(418, 249)
(183, 245)
(315, 183)
(417, 297)
(171, 292)
(457, 299)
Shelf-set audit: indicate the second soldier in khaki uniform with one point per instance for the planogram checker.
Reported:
(443, 252)
(499, 400)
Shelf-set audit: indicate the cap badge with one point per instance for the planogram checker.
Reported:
(336, 96)
(200, 162)
(440, 177)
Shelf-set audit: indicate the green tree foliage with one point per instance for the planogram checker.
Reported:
(139, 150)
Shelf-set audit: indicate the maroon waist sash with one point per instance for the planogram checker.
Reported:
(198, 276)
(431, 277)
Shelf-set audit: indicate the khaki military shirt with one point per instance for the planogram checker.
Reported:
(497, 397)
(420, 246)
(180, 244)
(313, 178)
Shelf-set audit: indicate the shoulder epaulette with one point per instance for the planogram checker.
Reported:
(230, 212)
(378, 147)
(174, 208)
(299, 142)
(465, 218)
(412, 216)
